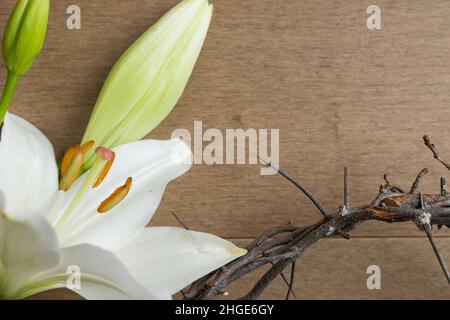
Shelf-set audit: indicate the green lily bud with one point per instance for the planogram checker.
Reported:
(148, 80)
(25, 34)
(22, 41)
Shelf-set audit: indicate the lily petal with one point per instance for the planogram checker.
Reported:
(102, 276)
(117, 227)
(172, 258)
(28, 171)
(28, 246)
(151, 164)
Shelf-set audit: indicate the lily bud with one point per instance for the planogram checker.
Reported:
(25, 34)
(150, 77)
(22, 41)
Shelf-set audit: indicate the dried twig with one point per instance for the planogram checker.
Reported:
(179, 220)
(287, 282)
(292, 280)
(346, 190)
(305, 191)
(442, 263)
(282, 246)
(423, 223)
(416, 182)
(436, 154)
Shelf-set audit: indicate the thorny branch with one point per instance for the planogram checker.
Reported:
(436, 155)
(282, 246)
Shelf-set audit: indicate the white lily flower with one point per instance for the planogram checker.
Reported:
(95, 222)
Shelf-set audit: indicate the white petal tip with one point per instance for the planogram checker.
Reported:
(236, 251)
(181, 153)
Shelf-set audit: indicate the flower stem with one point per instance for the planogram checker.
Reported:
(8, 94)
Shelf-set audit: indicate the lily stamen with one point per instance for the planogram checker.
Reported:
(67, 159)
(116, 197)
(102, 175)
(71, 164)
(96, 174)
(72, 170)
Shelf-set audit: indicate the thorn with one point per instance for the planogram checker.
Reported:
(292, 280)
(346, 189)
(179, 220)
(422, 204)
(438, 254)
(417, 181)
(343, 234)
(285, 281)
(444, 191)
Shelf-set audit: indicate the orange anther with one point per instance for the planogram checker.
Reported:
(106, 155)
(72, 170)
(68, 157)
(87, 146)
(116, 197)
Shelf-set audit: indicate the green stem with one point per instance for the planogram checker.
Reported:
(8, 94)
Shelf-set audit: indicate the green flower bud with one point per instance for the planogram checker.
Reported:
(148, 80)
(25, 34)
(22, 40)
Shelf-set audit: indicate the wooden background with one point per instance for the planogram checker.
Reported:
(340, 94)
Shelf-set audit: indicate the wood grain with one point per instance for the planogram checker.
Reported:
(340, 94)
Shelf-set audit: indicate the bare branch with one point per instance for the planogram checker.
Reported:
(389, 186)
(283, 245)
(305, 191)
(288, 283)
(418, 180)
(270, 233)
(435, 152)
(438, 254)
(292, 280)
(266, 279)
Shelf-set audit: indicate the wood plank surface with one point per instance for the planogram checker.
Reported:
(341, 95)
